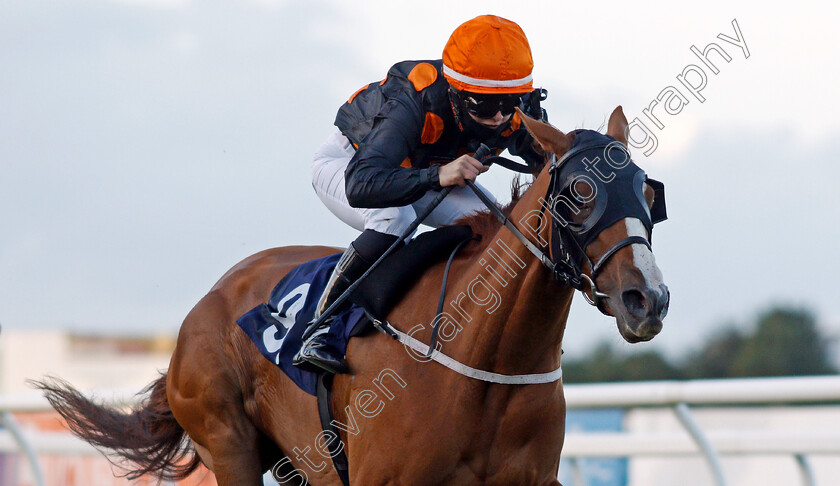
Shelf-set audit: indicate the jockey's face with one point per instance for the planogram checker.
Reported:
(490, 110)
(494, 122)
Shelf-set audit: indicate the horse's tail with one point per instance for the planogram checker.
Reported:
(143, 440)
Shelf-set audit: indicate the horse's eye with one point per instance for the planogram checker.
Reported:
(573, 205)
(582, 192)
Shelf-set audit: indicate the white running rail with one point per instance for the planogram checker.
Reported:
(679, 395)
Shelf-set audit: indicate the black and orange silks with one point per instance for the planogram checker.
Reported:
(405, 126)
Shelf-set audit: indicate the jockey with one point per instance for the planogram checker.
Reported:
(402, 139)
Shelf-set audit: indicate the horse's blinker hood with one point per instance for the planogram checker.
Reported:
(616, 192)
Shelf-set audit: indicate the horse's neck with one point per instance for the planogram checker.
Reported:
(523, 333)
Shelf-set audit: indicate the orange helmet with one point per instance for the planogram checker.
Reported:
(489, 55)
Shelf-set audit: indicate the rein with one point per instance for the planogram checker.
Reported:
(429, 351)
(483, 152)
(563, 268)
(564, 271)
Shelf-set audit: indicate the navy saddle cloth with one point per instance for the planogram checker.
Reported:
(276, 327)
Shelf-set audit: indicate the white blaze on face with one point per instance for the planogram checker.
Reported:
(642, 256)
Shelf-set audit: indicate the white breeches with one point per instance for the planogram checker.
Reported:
(328, 168)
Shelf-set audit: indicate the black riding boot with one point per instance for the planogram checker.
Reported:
(357, 258)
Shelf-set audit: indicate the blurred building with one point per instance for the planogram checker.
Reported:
(86, 361)
(89, 362)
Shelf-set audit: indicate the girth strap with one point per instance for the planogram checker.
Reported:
(468, 371)
(339, 458)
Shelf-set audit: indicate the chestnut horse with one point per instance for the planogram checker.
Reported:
(401, 421)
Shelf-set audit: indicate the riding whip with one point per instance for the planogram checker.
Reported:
(483, 152)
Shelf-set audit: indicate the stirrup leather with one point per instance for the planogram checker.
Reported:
(315, 350)
(339, 280)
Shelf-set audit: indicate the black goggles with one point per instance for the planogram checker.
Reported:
(486, 106)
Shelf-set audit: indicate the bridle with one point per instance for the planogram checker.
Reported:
(563, 261)
(567, 255)
(566, 270)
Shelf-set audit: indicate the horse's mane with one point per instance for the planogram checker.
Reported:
(484, 223)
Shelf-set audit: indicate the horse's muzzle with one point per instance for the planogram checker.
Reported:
(642, 313)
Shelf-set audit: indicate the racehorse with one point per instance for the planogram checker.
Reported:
(404, 421)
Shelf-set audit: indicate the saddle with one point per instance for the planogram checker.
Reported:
(276, 326)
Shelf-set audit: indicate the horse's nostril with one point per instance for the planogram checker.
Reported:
(635, 303)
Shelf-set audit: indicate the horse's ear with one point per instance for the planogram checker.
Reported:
(617, 126)
(550, 139)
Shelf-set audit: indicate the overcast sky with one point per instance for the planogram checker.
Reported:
(148, 145)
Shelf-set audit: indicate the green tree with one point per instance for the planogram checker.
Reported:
(715, 359)
(598, 365)
(604, 363)
(649, 365)
(786, 342)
